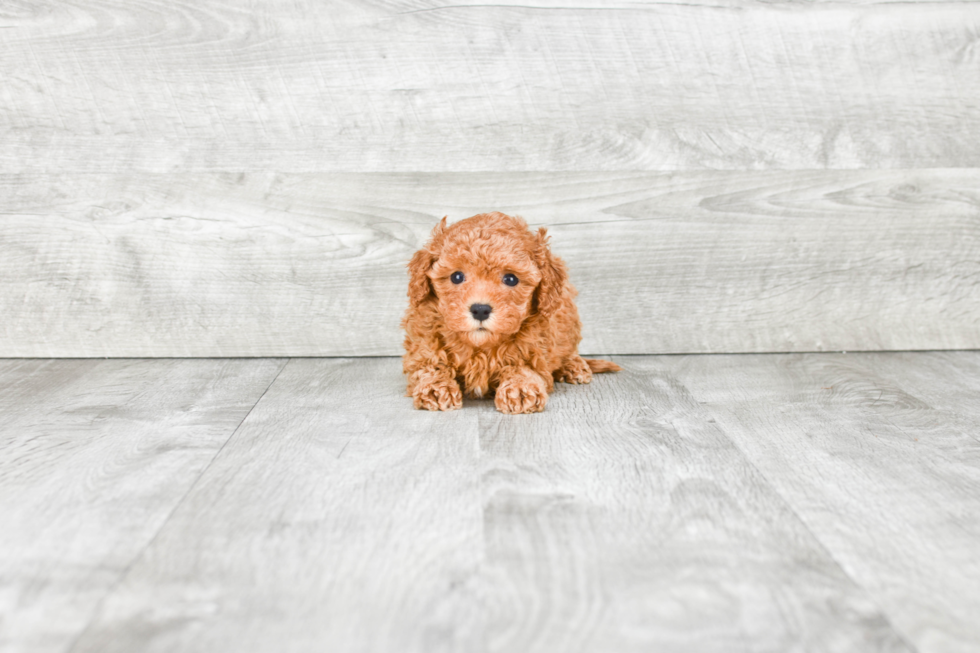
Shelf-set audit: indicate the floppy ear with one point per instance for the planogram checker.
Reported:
(419, 286)
(554, 276)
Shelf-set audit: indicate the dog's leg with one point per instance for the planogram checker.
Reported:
(521, 390)
(573, 369)
(435, 389)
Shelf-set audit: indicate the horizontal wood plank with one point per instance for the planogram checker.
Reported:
(885, 479)
(313, 265)
(95, 457)
(420, 85)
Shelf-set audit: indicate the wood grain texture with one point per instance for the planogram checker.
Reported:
(956, 395)
(420, 85)
(336, 519)
(95, 456)
(313, 265)
(813, 502)
(339, 518)
(623, 519)
(887, 480)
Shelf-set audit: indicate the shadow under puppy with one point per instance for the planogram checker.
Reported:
(491, 311)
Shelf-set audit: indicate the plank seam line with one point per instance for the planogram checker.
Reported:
(125, 572)
(819, 543)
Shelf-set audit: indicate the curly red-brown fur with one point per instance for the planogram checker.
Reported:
(529, 340)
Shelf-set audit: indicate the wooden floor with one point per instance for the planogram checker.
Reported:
(790, 502)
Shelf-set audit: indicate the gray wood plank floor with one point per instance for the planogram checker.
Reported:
(94, 457)
(818, 502)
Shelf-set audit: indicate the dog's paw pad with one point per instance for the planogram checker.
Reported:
(440, 395)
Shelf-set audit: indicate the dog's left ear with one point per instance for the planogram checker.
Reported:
(554, 275)
(419, 286)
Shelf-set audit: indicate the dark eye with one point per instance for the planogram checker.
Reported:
(510, 279)
(457, 277)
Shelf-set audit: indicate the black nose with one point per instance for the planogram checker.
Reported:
(480, 311)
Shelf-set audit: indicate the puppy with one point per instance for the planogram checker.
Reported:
(491, 312)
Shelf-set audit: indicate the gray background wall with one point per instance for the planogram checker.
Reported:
(249, 179)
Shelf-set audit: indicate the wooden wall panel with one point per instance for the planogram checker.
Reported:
(313, 264)
(219, 178)
(421, 85)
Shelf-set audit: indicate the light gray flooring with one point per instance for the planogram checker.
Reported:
(786, 502)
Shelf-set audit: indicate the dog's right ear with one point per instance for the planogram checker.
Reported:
(419, 285)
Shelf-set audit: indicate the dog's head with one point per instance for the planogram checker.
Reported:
(488, 274)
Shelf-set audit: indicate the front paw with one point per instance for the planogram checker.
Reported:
(525, 393)
(437, 395)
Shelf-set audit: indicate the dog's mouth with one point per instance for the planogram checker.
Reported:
(480, 335)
